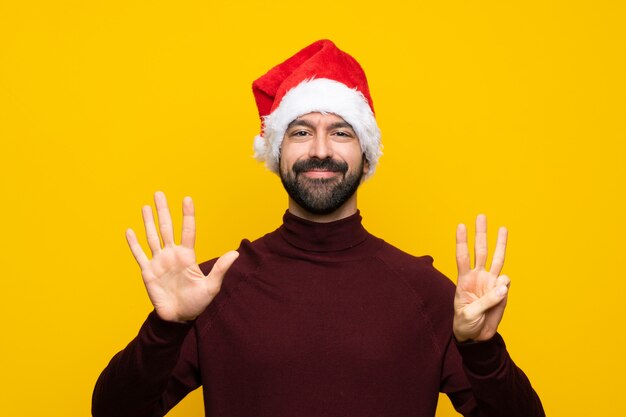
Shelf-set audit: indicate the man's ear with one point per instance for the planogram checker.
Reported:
(366, 166)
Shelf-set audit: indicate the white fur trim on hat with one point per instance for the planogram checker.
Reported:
(325, 96)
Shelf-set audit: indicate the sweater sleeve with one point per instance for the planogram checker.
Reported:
(498, 386)
(151, 375)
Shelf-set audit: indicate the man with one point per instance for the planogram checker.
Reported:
(318, 318)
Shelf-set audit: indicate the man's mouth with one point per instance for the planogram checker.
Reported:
(320, 173)
(320, 168)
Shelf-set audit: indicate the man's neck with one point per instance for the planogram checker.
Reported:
(346, 210)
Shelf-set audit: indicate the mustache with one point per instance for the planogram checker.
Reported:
(327, 164)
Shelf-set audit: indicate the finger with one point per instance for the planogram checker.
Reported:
(497, 312)
(487, 301)
(165, 220)
(503, 280)
(222, 265)
(136, 249)
(498, 256)
(462, 252)
(151, 232)
(480, 245)
(188, 237)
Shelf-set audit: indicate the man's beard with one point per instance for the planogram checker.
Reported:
(321, 195)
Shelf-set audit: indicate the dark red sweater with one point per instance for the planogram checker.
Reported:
(318, 320)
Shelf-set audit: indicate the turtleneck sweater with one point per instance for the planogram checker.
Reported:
(318, 319)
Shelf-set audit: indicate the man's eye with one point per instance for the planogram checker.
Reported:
(300, 133)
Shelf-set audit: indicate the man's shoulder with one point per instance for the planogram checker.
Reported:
(418, 271)
(251, 252)
(398, 259)
(396, 256)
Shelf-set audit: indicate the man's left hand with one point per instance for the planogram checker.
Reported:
(481, 295)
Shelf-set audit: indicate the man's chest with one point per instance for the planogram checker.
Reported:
(315, 317)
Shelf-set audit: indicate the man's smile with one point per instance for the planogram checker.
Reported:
(320, 173)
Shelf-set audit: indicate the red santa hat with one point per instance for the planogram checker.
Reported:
(319, 78)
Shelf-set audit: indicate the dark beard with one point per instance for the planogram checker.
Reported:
(321, 195)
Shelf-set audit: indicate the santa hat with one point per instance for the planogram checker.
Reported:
(319, 78)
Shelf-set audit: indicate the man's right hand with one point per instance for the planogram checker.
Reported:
(176, 286)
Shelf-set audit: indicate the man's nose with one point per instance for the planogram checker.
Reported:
(321, 147)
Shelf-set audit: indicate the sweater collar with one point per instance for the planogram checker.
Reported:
(323, 237)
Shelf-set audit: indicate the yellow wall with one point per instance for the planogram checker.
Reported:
(515, 109)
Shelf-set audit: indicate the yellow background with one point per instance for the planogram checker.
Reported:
(514, 109)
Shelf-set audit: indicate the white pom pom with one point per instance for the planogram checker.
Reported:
(260, 148)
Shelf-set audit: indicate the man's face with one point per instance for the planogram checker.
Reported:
(321, 162)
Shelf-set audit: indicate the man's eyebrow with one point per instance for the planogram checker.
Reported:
(305, 123)
(341, 125)
(300, 122)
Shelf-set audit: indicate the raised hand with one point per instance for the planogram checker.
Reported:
(481, 295)
(177, 288)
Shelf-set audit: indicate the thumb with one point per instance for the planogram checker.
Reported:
(222, 265)
(488, 301)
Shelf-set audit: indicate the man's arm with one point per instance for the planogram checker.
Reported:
(147, 376)
(151, 375)
(499, 387)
